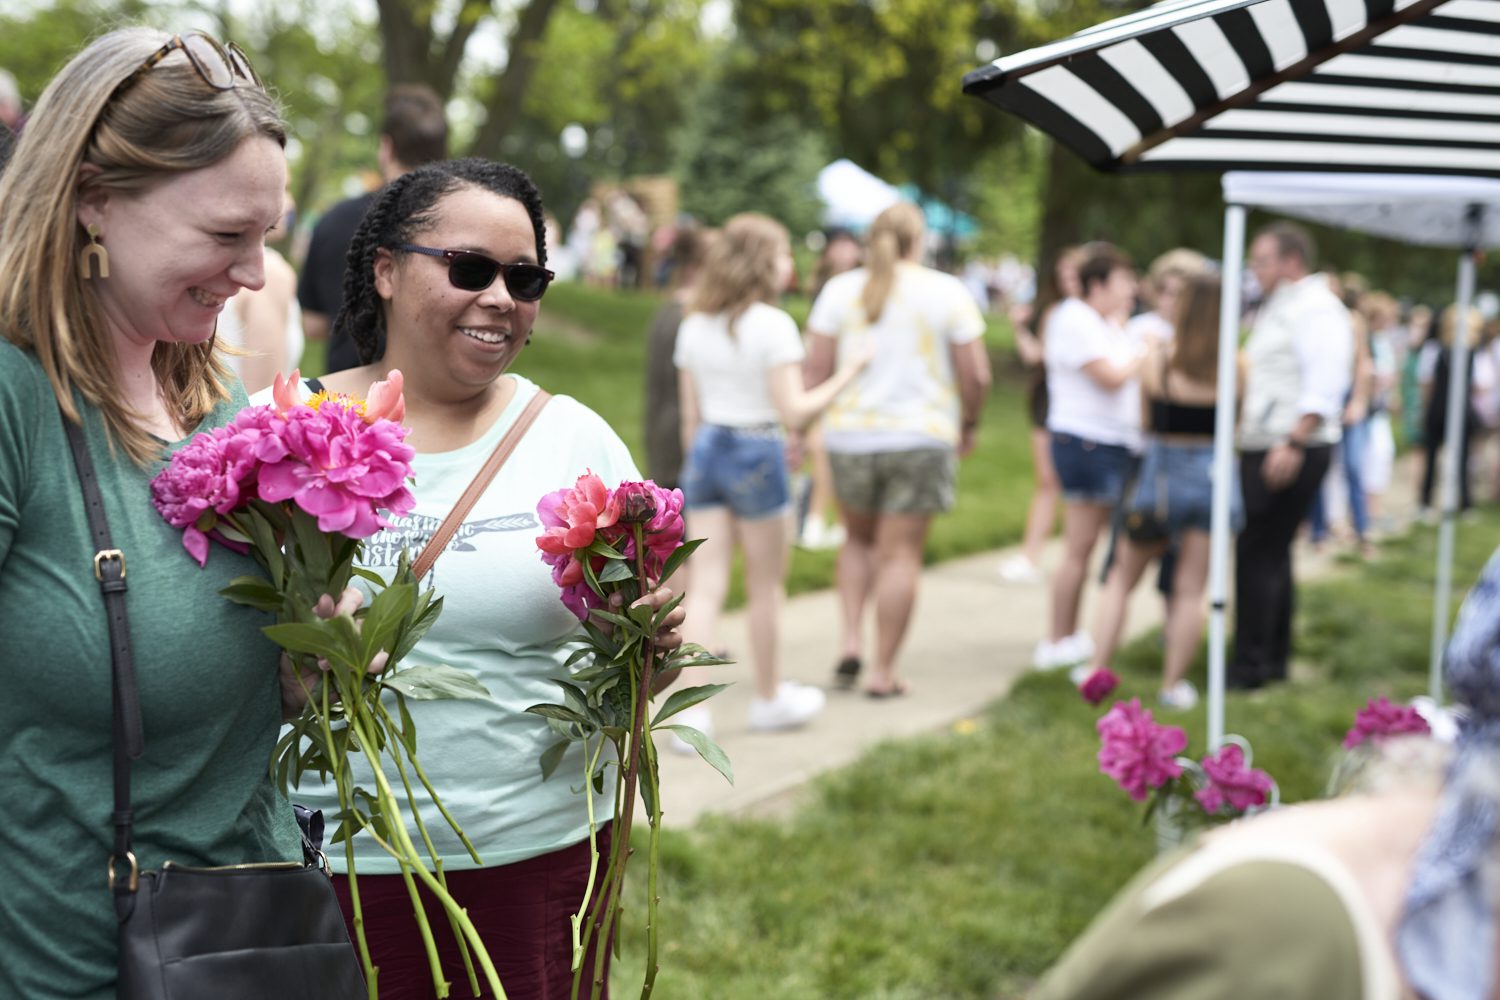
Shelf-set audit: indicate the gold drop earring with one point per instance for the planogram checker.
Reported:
(93, 252)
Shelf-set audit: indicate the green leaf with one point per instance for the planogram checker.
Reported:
(600, 547)
(590, 577)
(707, 749)
(433, 682)
(254, 592)
(264, 535)
(666, 609)
(424, 616)
(308, 637)
(552, 756)
(625, 623)
(686, 698)
(313, 545)
(370, 575)
(559, 713)
(408, 726)
(387, 611)
(616, 572)
(677, 558)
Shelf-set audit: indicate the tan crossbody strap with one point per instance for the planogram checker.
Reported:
(439, 540)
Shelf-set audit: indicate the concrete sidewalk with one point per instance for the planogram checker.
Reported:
(971, 637)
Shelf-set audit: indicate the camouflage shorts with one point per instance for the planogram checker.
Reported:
(895, 482)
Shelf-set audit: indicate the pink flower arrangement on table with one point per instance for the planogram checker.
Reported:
(1381, 719)
(298, 486)
(622, 544)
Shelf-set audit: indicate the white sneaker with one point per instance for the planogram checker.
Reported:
(794, 705)
(1081, 644)
(1180, 696)
(698, 717)
(1019, 569)
(818, 535)
(1080, 673)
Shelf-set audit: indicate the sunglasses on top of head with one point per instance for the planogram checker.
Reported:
(474, 272)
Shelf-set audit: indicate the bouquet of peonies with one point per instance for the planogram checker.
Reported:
(299, 486)
(621, 544)
(1143, 756)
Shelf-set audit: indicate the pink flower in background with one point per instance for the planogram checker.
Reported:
(1380, 719)
(1099, 685)
(1137, 751)
(1231, 782)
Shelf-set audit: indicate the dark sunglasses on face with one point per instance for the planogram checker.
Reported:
(474, 272)
(220, 66)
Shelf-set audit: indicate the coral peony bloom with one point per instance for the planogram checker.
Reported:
(284, 390)
(1137, 751)
(1099, 685)
(384, 401)
(1381, 719)
(1231, 782)
(574, 516)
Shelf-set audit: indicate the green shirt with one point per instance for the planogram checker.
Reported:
(208, 685)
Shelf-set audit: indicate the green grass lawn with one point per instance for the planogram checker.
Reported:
(961, 864)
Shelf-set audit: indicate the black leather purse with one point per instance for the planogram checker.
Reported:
(232, 933)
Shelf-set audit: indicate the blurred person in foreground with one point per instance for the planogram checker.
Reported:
(894, 440)
(1388, 892)
(1299, 361)
(414, 132)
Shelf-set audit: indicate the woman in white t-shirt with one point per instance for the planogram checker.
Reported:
(739, 364)
(894, 440)
(1093, 384)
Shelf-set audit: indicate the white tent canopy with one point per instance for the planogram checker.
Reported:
(853, 196)
(1422, 210)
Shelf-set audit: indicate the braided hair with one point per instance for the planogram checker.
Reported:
(405, 207)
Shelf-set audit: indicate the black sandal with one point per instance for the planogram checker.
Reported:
(846, 673)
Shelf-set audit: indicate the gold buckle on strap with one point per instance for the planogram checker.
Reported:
(135, 875)
(104, 554)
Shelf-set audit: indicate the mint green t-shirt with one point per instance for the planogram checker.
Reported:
(209, 698)
(503, 621)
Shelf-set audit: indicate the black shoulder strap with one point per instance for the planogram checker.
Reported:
(109, 570)
(315, 384)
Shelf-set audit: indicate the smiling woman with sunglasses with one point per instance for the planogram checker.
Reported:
(136, 203)
(449, 266)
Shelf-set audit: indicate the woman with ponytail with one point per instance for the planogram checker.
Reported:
(895, 438)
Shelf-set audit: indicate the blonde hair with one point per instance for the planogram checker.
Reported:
(739, 268)
(892, 236)
(168, 121)
(1181, 262)
(1450, 324)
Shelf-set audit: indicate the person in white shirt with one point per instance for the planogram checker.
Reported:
(1093, 385)
(1299, 357)
(740, 384)
(895, 439)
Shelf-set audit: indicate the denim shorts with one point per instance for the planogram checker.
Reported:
(742, 468)
(1176, 480)
(1090, 472)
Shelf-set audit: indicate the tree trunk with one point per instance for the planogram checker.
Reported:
(509, 95)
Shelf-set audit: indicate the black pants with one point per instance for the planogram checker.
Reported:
(1264, 592)
(1433, 443)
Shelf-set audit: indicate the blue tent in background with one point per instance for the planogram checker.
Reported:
(942, 219)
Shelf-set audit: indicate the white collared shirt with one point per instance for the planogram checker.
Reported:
(1301, 360)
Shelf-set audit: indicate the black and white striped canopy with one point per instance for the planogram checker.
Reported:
(1410, 86)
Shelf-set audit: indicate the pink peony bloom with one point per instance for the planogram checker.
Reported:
(340, 469)
(573, 517)
(384, 401)
(1136, 751)
(204, 480)
(1231, 782)
(1099, 685)
(1380, 719)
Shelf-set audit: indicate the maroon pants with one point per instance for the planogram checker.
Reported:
(521, 912)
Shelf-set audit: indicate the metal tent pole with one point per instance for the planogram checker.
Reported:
(1223, 481)
(1454, 441)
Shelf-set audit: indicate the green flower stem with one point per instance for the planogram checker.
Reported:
(653, 899)
(343, 784)
(405, 846)
(604, 902)
(396, 747)
(453, 823)
(589, 763)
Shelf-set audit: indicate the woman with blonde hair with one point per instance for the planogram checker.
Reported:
(739, 361)
(1172, 496)
(895, 440)
(136, 203)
